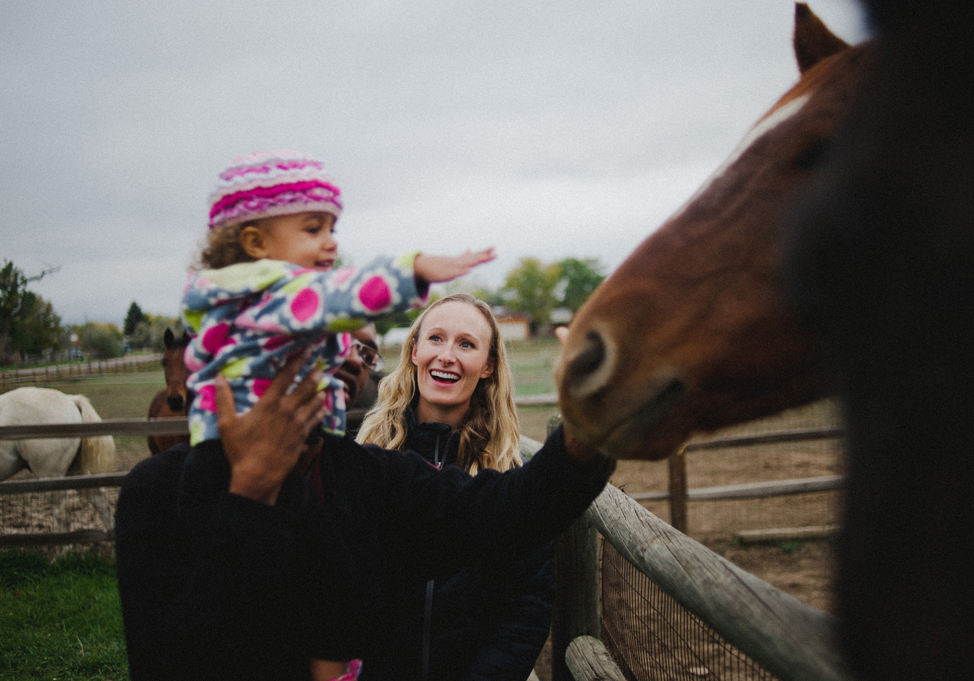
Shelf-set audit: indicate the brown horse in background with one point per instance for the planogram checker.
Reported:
(834, 252)
(174, 400)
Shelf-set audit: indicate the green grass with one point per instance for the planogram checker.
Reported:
(790, 545)
(60, 619)
(116, 396)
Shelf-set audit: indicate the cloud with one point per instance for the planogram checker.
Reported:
(547, 128)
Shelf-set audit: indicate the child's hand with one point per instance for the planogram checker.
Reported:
(435, 268)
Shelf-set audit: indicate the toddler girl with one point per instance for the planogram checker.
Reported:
(269, 292)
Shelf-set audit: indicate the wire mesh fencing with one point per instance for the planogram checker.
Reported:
(652, 637)
(52, 517)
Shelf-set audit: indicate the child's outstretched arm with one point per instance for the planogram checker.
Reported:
(437, 268)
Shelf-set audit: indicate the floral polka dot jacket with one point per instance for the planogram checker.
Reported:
(248, 319)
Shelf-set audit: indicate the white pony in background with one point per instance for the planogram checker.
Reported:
(53, 458)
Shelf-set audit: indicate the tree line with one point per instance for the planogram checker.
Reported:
(542, 293)
(30, 329)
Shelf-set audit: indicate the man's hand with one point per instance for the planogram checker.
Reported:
(264, 445)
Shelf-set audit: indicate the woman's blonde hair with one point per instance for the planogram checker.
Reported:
(489, 431)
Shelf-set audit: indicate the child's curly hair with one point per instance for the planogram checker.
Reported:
(223, 247)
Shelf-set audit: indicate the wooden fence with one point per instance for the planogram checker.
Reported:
(786, 637)
(15, 378)
(75, 483)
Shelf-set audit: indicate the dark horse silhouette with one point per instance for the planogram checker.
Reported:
(834, 252)
(881, 262)
(174, 400)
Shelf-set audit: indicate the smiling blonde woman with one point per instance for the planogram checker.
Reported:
(450, 400)
(488, 427)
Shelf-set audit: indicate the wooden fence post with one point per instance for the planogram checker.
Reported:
(576, 608)
(678, 490)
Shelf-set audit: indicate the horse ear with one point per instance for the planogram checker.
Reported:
(186, 339)
(813, 40)
(168, 337)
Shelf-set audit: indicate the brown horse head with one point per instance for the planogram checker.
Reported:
(178, 396)
(172, 401)
(690, 333)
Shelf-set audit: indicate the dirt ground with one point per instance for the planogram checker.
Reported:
(802, 568)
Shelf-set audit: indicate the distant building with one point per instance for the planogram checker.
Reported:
(513, 327)
(396, 336)
(561, 315)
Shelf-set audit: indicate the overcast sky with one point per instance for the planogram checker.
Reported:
(546, 129)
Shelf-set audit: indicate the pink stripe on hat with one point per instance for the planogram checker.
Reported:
(269, 183)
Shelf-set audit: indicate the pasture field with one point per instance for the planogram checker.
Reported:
(119, 396)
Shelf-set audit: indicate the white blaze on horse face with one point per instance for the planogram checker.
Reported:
(761, 128)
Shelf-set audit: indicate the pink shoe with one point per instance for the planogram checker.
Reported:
(352, 670)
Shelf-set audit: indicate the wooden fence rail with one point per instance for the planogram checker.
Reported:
(174, 426)
(787, 637)
(60, 484)
(56, 538)
(12, 378)
(146, 426)
(753, 490)
(588, 660)
(770, 437)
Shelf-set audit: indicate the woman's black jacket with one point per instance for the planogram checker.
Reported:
(483, 622)
(222, 601)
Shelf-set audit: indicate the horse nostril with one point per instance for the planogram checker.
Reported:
(590, 358)
(588, 371)
(175, 402)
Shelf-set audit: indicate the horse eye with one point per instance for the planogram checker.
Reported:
(812, 155)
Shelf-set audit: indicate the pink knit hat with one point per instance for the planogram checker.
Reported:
(269, 183)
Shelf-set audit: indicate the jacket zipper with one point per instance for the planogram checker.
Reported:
(428, 616)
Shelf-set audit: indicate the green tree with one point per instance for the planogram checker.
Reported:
(491, 297)
(529, 288)
(13, 298)
(405, 318)
(134, 317)
(38, 328)
(101, 341)
(141, 336)
(577, 280)
(157, 330)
